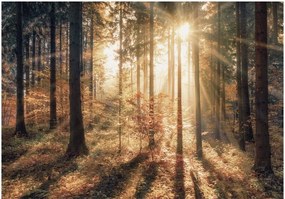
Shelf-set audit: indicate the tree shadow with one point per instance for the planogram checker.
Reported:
(220, 190)
(179, 168)
(114, 182)
(197, 190)
(149, 176)
(36, 168)
(214, 143)
(9, 156)
(14, 147)
(62, 167)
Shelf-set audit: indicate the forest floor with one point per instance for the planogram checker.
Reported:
(34, 167)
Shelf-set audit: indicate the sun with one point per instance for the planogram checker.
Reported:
(184, 31)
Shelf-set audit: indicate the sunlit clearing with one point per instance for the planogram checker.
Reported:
(184, 30)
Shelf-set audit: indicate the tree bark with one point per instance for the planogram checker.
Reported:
(53, 117)
(275, 22)
(91, 57)
(39, 59)
(218, 91)
(223, 94)
(20, 118)
(172, 64)
(195, 48)
(246, 120)
(151, 85)
(67, 50)
(60, 66)
(169, 63)
(76, 144)
(27, 68)
(138, 69)
(212, 80)
(262, 161)
(33, 58)
(145, 64)
(120, 79)
(179, 98)
(241, 140)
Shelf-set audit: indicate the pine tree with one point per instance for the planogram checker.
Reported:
(262, 160)
(76, 144)
(20, 118)
(195, 55)
(53, 117)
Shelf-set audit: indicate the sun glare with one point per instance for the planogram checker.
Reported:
(184, 30)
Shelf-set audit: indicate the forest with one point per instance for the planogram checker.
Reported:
(142, 100)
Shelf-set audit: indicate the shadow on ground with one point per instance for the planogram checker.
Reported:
(179, 186)
(149, 176)
(115, 182)
(61, 167)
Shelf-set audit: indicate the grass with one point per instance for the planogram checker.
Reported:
(35, 167)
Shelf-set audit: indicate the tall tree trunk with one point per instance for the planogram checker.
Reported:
(169, 62)
(39, 59)
(60, 48)
(223, 94)
(189, 70)
(151, 86)
(138, 76)
(138, 69)
(172, 64)
(27, 66)
(179, 97)
(33, 58)
(20, 118)
(81, 45)
(91, 57)
(218, 91)
(238, 73)
(53, 118)
(145, 63)
(67, 49)
(76, 144)
(132, 81)
(60, 66)
(262, 161)
(246, 121)
(120, 78)
(275, 22)
(212, 81)
(195, 44)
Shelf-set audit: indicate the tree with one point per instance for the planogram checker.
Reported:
(138, 67)
(238, 74)
(275, 22)
(33, 58)
(179, 94)
(195, 55)
(120, 78)
(53, 119)
(20, 119)
(169, 62)
(145, 66)
(91, 57)
(172, 55)
(218, 79)
(245, 112)
(39, 57)
(76, 144)
(27, 65)
(262, 160)
(151, 85)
